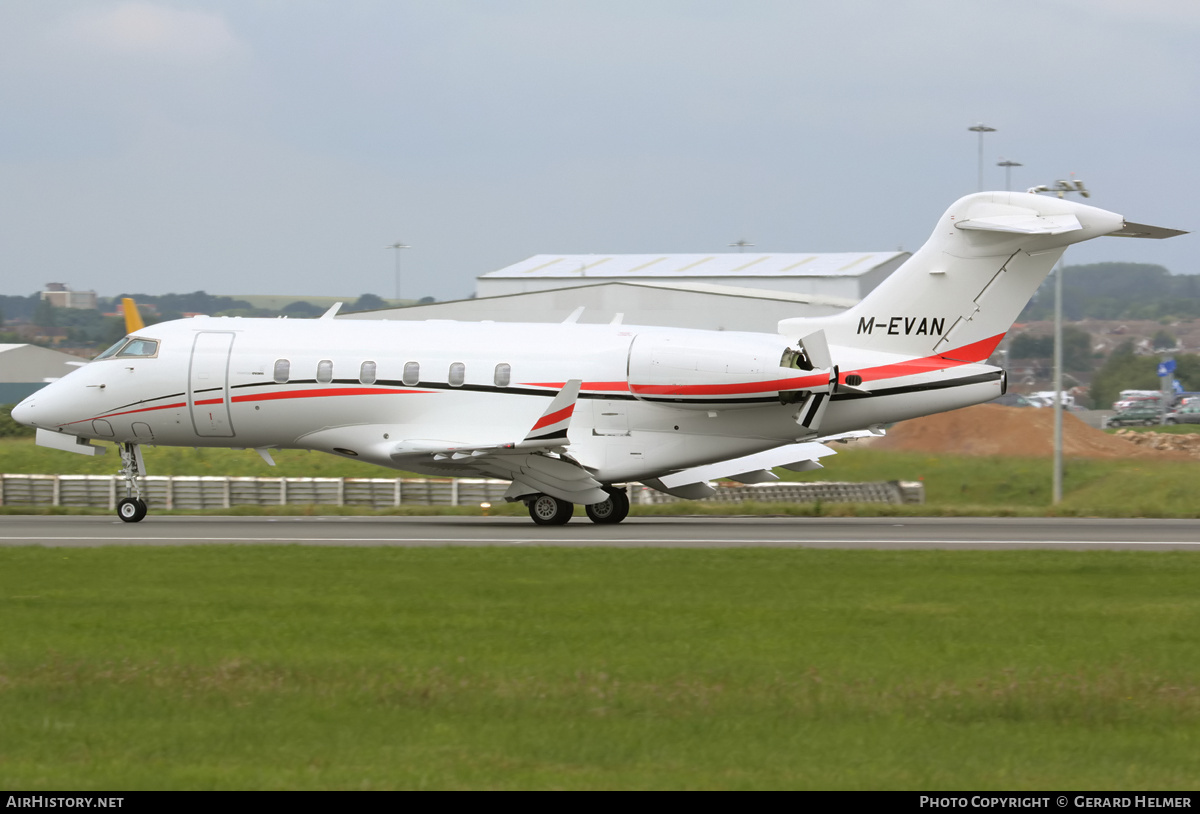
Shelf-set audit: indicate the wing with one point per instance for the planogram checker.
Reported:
(536, 464)
(693, 484)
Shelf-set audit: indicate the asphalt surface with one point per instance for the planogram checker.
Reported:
(663, 532)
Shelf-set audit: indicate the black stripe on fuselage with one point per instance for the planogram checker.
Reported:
(924, 387)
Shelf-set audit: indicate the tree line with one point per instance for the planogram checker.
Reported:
(90, 327)
(1117, 291)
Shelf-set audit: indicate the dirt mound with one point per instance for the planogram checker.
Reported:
(992, 429)
(1188, 444)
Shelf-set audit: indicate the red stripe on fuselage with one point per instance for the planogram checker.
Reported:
(966, 355)
(128, 412)
(294, 394)
(738, 388)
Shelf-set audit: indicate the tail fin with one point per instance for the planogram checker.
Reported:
(133, 320)
(966, 286)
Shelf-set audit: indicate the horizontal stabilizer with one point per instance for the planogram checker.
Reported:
(1145, 231)
(1030, 224)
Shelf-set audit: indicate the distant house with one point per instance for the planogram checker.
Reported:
(61, 296)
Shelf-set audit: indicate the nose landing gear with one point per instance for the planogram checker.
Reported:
(132, 508)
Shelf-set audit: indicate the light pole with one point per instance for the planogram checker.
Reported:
(981, 128)
(1061, 188)
(1008, 165)
(398, 246)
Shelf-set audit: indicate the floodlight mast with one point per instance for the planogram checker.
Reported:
(981, 128)
(1008, 165)
(398, 246)
(1060, 188)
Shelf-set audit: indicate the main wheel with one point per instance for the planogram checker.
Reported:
(131, 509)
(613, 510)
(547, 510)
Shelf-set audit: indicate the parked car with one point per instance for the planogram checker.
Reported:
(1188, 414)
(1137, 401)
(1130, 416)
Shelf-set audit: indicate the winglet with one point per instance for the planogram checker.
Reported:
(133, 320)
(332, 312)
(553, 424)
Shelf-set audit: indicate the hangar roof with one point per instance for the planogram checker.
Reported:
(30, 363)
(841, 264)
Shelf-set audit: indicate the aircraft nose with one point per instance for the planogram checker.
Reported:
(23, 412)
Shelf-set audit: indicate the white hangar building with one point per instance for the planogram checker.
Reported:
(846, 275)
(672, 305)
(24, 369)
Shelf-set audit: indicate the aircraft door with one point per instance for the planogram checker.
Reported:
(208, 384)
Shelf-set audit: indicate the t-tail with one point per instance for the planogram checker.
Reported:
(960, 293)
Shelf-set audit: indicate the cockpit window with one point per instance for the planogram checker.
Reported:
(139, 347)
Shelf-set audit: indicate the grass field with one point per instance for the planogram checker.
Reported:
(290, 667)
(954, 484)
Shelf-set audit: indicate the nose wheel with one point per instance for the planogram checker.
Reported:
(132, 508)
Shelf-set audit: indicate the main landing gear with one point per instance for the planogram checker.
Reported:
(131, 508)
(547, 510)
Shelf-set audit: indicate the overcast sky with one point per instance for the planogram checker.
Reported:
(278, 146)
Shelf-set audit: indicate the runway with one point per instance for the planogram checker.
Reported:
(660, 532)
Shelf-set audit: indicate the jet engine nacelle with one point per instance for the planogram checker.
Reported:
(720, 370)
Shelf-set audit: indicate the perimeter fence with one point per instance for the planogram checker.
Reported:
(212, 492)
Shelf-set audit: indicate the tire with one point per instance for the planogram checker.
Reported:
(131, 509)
(546, 510)
(613, 510)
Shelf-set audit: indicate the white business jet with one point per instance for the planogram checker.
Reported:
(570, 412)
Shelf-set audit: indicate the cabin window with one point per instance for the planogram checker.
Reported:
(283, 370)
(366, 373)
(412, 373)
(503, 374)
(458, 374)
(325, 371)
